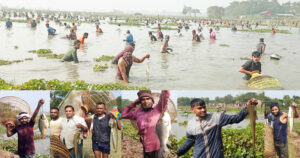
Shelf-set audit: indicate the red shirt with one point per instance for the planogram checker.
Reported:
(25, 138)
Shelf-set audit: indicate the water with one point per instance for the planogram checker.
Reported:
(204, 65)
(180, 131)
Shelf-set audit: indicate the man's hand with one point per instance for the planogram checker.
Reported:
(294, 105)
(9, 126)
(78, 125)
(41, 102)
(252, 101)
(147, 56)
(253, 72)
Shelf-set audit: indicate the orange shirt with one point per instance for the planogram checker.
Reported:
(81, 39)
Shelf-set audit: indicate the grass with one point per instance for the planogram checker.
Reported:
(266, 31)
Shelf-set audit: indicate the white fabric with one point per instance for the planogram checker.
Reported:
(22, 115)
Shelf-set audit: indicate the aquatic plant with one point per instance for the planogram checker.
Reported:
(245, 58)
(104, 58)
(266, 31)
(46, 53)
(6, 62)
(16, 47)
(98, 68)
(28, 59)
(127, 23)
(224, 45)
(165, 28)
(42, 84)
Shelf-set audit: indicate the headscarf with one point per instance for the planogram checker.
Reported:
(22, 115)
(128, 48)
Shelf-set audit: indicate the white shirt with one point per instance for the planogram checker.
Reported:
(55, 127)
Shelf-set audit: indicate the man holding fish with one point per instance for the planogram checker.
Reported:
(278, 121)
(147, 118)
(204, 130)
(26, 148)
(71, 132)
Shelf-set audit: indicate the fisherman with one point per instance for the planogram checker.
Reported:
(26, 148)
(127, 48)
(51, 31)
(72, 54)
(147, 117)
(33, 24)
(125, 63)
(101, 131)
(200, 34)
(74, 27)
(69, 127)
(55, 122)
(204, 130)
(129, 37)
(84, 36)
(212, 35)
(196, 38)
(152, 37)
(251, 66)
(72, 35)
(98, 29)
(8, 23)
(160, 35)
(261, 46)
(273, 31)
(279, 121)
(165, 48)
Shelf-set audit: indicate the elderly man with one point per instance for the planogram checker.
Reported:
(71, 126)
(147, 117)
(26, 148)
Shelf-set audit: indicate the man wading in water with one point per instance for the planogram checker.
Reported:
(146, 118)
(125, 63)
(26, 148)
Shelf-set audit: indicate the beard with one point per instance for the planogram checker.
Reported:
(148, 107)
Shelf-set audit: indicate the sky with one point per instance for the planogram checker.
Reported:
(31, 97)
(150, 6)
(281, 93)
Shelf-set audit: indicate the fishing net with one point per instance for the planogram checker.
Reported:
(10, 107)
(269, 141)
(171, 108)
(58, 149)
(258, 81)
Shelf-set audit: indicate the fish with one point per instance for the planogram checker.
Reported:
(291, 118)
(76, 142)
(114, 135)
(163, 130)
(43, 125)
(275, 56)
(253, 117)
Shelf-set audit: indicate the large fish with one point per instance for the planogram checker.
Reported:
(114, 133)
(291, 118)
(76, 142)
(43, 125)
(163, 129)
(252, 115)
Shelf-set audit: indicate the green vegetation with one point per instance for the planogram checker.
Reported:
(14, 20)
(46, 53)
(224, 45)
(16, 47)
(129, 130)
(171, 24)
(165, 28)
(104, 58)
(266, 31)
(42, 84)
(6, 62)
(245, 58)
(98, 68)
(28, 59)
(127, 23)
(10, 145)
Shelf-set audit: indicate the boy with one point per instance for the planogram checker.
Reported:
(165, 48)
(251, 66)
(204, 130)
(101, 131)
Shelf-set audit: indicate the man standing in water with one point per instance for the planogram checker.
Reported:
(279, 121)
(84, 36)
(165, 48)
(125, 63)
(8, 24)
(129, 37)
(72, 54)
(146, 118)
(261, 46)
(204, 130)
(212, 35)
(26, 148)
(251, 66)
(71, 126)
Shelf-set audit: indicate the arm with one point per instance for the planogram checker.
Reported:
(189, 142)
(121, 66)
(164, 96)
(74, 55)
(41, 102)
(10, 132)
(296, 114)
(284, 118)
(137, 60)
(126, 114)
(230, 119)
(242, 70)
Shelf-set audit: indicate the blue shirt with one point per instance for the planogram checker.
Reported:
(129, 38)
(8, 24)
(50, 31)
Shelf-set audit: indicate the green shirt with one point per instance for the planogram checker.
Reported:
(71, 55)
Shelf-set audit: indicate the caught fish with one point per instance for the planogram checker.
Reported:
(76, 142)
(253, 117)
(148, 70)
(163, 129)
(291, 118)
(114, 135)
(43, 124)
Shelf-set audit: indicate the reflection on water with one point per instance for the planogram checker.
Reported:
(205, 65)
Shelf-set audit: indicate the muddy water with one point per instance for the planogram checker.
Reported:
(205, 65)
(180, 131)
